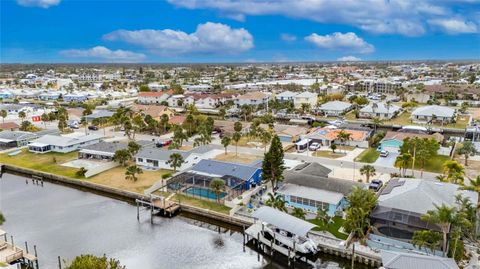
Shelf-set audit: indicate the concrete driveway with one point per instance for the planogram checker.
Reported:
(388, 161)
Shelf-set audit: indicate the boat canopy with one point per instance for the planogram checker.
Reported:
(283, 220)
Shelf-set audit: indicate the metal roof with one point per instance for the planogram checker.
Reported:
(218, 168)
(283, 220)
(401, 260)
(439, 111)
(311, 193)
(335, 105)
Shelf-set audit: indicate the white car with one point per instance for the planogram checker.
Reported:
(314, 146)
(383, 153)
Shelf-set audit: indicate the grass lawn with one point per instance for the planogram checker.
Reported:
(434, 165)
(404, 119)
(240, 158)
(116, 178)
(369, 155)
(245, 141)
(43, 162)
(328, 154)
(331, 227)
(211, 205)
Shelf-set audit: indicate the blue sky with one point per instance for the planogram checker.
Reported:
(237, 31)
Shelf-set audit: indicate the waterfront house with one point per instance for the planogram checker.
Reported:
(156, 158)
(309, 187)
(400, 260)
(394, 140)
(106, 150)
(403, 201)
(62, 144)
(326, 136)
(379, 110)
(13, 139)
(335, 108)
(307, 98)
(433, 113)
(154, 97)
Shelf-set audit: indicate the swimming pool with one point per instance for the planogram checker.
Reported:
(203, 193)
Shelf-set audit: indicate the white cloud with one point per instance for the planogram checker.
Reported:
(349, 59)
(288, 37)
(38, 3)
(405, 17)
(208, 38)
(103, 53)
(454, 26)
(338, 41)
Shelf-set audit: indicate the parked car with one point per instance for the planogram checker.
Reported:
(93, 128)
(314, 146)
(384, 153)
(165, 143)
(375, 185)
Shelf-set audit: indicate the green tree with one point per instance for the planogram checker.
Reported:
(236, 137)
(442, 216)
(322, 215)
(273, 164)
(426, 239)
(368, 171)
(376, 122)
(298, 212)
(45, 119)
(222, 112)
(175, 161)
(276, 201)
(217, 185)
(144, 88)
(467, 149)
(122, 156)
(453, 171)
(344, 136)
(133, 147)
(22, 115)
(403, 161)
(474, 185)
(62, 122)
(132, 172)
(246, 111)
(89, 261)
(361, 202)
(265, 137)
(179, 136)
(81, 172)
(2, 218)
(3, 114)
(225, 142)
(333, 147)
(164, 122)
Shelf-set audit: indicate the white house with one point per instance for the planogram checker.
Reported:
(285, 96)
(433, 113)
(309, 98)
(379, 110)
(176, 100)
(335, 108)
(252, 99)
(62, 144)
(153, 97)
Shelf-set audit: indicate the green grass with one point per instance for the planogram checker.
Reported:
(434, 164)
(43, 162)
(205, 204)
(331, 227)
(369, 155)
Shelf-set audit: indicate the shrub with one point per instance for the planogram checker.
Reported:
(167, 175)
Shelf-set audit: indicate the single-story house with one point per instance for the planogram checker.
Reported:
(156, 158)
(155, 111)
(394, 140)
(285, 96)
(15, 108)
(403, 201)
(77, 97)
(177, 120)
(13, 139)
(227, 127)
(287, 133)
(309, 98)
(328, 135)
(309, 187)
(379, 110)
(11, 126)
(106, 150)
(335, 108)
(401, 260)
(99, 114)
(62, 144)
(49, 96)
(433, 113)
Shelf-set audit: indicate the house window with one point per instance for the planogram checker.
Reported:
(140, 160)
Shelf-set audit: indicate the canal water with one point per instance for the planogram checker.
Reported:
(67, 222)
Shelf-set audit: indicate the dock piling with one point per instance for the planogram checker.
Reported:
(26, 247)
(35, 251)
(59, 263)
(138, 212)
(244, 238)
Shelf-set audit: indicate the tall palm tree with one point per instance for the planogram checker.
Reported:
(402, 162)
(276, 202)
(236, 137)
(3, 114)
(468, 149)
(22, 115)
(453, 171)
(217, 185)
(442, 216)
(225, 142)
(376, 122)
(298, 212)
(368, 171)
(474, 185)
(344, 136)
(175, 161)
(265, 137)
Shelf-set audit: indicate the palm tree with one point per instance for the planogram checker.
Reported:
(442, 216)
(298, 212)
(402, 162)
(225, 142)
(276, 201)
(175, 161)
(454, 171)
(376, 122)
(344, 137)
(474, 185)
(236, 137)
(368, 171)
(132, 171)
(3, 114)
(45, 118)
(217, 185)
(468, 149)
(322, 215)
(22, 115)
(333, 147)
(265, 137)
(426, 238)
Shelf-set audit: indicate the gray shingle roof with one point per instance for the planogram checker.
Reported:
(335, 105)
(381, 108)
(64, 141)
(313, 176)
(109, 147)
(17, 135)
(439, 111)
(218, 168)
(400, 260)
(160, 154)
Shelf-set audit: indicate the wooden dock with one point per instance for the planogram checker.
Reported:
(10, 253)
(158, 205)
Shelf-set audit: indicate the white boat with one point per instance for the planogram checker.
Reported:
(284, 238)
